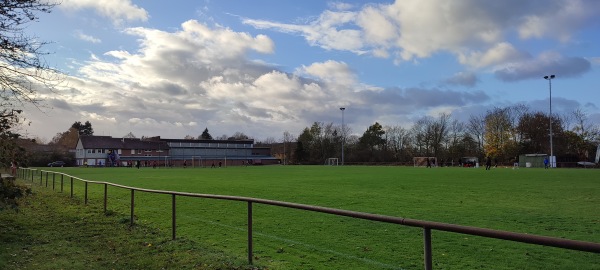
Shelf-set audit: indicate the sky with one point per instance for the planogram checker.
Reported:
(264, 67)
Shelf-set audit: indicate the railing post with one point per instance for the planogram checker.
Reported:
(105, 196)
(132, 204)
(427, 256)
(250, 255)
(173, 215)
(47, 179)
(53, 180)
(86, 188)
(71, 186)
(62, 182)
(41, 178)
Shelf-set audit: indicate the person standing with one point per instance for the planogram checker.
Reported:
(546, 163)
(13, 168)
(488, 163)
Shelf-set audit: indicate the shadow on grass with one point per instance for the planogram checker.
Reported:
(52, 231)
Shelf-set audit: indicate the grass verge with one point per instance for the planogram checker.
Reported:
(52, 231)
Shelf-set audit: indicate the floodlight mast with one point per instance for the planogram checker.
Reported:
(343, 137)
(552, 160)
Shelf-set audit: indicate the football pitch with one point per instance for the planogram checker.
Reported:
(561, 203)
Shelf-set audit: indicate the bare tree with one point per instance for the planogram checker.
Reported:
(583, 128)
(287, 151)
(438, 132)
(514, 114)
(269, 141)
(22, 68)
(131, 136)
(397, 141)
(456, 132)
(239, 136)
(476, 128)
(419, 132)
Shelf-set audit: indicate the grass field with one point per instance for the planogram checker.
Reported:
(560, 202)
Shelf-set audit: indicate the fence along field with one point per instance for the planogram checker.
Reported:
(561, 203)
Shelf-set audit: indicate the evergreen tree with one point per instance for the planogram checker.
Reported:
(83, 129)
(205, 135)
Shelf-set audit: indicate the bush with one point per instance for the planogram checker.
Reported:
(10, 192)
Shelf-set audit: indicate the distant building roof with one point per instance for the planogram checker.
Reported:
(209, 141)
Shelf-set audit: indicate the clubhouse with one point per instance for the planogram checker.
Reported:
(154, 151)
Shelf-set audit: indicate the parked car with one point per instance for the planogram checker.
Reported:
(56, 164)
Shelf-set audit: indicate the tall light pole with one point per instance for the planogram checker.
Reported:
(343, 137)
(552, 161)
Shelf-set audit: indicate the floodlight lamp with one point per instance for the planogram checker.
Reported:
(552, 76)
(546, 77)
(342, 108)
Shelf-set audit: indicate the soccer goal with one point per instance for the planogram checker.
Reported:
(425, 161)
(332, 162)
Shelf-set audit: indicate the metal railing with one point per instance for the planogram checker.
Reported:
(427, 226)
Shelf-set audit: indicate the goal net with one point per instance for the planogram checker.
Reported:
(332, 161)
(425, 161)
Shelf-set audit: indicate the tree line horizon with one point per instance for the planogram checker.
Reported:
(501, 133)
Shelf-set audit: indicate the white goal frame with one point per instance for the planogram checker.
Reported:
(422, 161)
(332, 162)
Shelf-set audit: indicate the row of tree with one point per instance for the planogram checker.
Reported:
(500, 133)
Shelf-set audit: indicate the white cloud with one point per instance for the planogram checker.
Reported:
(330, 71)
(463, 78)
(499, 54)
(87, 38)
(378, 28)
(118, 11)
(545, 63)
(558, 19)
(323, 31)
(477, 32)
(178, 83)
(340, 5)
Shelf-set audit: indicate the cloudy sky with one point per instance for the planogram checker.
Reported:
(262, 67)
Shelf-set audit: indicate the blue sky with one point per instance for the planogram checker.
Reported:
(265, 67)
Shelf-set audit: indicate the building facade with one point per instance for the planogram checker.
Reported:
(105, 150)
(109, 151)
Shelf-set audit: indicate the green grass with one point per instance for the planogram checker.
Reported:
(55, 232)
(560, 203)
